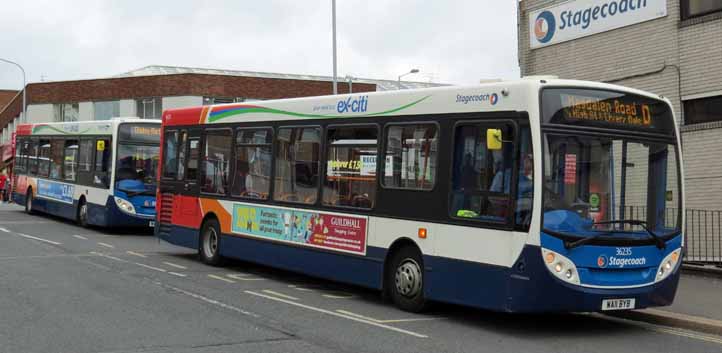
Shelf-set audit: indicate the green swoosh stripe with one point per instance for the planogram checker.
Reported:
(302, 115)
(42, 127)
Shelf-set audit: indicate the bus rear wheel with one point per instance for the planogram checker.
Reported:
(82, 218)
(405, 280)
(29, 201)
(210, 243)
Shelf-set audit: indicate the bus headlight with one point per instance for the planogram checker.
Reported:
(560, 266)
(124, 205)
(669, 263)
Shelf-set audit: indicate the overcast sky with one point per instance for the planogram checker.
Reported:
(458, 42)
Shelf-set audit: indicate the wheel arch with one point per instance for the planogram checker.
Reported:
(207, 217)
(395, 247)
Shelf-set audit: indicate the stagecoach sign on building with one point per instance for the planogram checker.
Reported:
(576, 19)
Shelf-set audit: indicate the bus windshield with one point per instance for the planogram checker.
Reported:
(138, 157)
(136, 167)
(611, 184)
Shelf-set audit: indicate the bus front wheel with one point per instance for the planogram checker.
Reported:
(405, 280)
(210, 243)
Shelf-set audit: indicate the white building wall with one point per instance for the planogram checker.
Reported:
(85, 111)
(128, 107)
(181, 102)
(40, 113)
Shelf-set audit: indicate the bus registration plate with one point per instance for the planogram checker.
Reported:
(618, 304)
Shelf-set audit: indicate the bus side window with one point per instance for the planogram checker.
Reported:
(102, 162)
(21, 152)
(182, 152)
(481, 184)
(216, 161)
(33, 157)
(410, 161)
(194, 145)
(56, 158)
(170, 154)
(525, 188)
(44, 158)
(70, 160)
(85, 159)
(351, 167)
(297, 164)
(252, 175)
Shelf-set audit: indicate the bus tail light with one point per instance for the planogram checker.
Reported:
(561, 267)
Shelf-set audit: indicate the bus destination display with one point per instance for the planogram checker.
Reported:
(139, 133)
(606, 109)
(617, 112)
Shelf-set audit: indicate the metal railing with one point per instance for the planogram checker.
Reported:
(702, 232)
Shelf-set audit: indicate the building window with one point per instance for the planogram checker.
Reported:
(149, 108)
(696, 8)
(65, 112)
(106, 110)
(703, 110)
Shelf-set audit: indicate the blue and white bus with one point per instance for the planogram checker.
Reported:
(97, 172)
(532, 195)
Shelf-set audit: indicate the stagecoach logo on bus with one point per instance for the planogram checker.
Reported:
(612, 261)
(492, 98)
(576, 19)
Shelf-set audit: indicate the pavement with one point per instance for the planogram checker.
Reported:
(69, 289)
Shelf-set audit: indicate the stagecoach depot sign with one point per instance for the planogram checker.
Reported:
(581, 18)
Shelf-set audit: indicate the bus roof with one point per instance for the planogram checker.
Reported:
(103, 127)
(515, 95)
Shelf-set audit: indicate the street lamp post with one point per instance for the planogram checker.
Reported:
(24, 118)
(413, 71)
(333, 25)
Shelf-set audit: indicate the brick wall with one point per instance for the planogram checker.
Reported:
(172, 85)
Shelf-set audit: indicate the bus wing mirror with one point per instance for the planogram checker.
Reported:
(493, 139)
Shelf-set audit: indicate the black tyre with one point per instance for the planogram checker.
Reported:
(82, 217)
(29, 201)
(405, 280)
(209, 244)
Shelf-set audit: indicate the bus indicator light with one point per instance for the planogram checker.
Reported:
(422, 233)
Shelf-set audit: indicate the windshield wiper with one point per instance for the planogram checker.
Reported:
(132, 193)
(659, 242)
(573, 244)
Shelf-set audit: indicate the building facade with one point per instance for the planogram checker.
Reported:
(669, 47)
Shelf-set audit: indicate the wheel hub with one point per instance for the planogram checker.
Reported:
(408, 278)
(211, 243)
